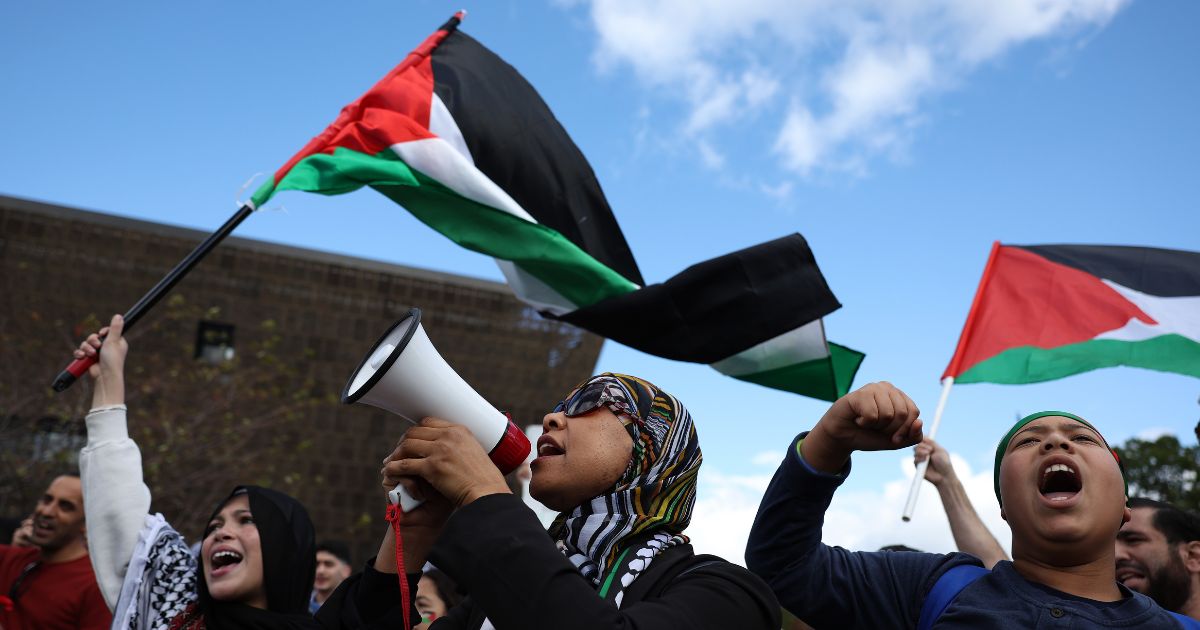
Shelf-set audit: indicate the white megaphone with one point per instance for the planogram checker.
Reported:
(405, 375)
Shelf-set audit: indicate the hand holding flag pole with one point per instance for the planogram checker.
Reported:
(77, 367)
(915, 489)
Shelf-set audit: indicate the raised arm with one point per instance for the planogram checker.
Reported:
(830, 586)
(115, 499)
(970, 534)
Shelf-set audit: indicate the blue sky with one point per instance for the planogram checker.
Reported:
(901, 138)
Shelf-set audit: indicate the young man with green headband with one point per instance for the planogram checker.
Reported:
(1061, 491)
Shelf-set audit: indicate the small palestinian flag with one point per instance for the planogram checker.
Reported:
(1047, 311)
(458, 138)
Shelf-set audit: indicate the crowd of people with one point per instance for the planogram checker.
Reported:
(618, 460)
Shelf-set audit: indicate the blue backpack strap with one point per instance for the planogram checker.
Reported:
(945, 589)
(952, 582)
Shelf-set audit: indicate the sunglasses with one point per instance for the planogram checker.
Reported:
(590, 397)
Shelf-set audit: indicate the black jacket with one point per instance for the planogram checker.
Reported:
(499, 554)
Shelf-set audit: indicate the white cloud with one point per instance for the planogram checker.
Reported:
(767, 458)
(709, 155)
(870, 91)
(862, 520)
(868, 520)
(845, 80)
(779, 192)
(724, 512)
(1151, 434)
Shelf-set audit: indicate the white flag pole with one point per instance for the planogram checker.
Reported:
(915, 490)
(954, 368)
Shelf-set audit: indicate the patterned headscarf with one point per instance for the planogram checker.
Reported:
(613, 538)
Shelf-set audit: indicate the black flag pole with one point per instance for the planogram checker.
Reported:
(77, 367)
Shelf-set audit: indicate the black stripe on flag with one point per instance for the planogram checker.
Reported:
(1161, 272)
(517, 142)
(717, 308)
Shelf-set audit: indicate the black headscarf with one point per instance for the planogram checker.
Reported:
(289, 555)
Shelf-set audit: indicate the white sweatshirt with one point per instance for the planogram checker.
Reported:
(115, 499)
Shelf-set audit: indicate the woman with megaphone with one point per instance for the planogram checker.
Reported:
(618, 459)
(257, 558)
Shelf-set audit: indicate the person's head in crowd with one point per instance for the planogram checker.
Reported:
(1061, 490)
(618, 459)
(333, 566)
(436, 594)
(58, 527)
(1158, 554)
(258, 554)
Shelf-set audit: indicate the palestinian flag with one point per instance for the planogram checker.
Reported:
(458, 138)
(754, 315)
(1047, 311)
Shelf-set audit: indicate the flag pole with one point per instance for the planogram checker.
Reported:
(948, 378)
(915, 489)
(77, 367)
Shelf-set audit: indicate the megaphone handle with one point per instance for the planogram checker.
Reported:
(400, 496)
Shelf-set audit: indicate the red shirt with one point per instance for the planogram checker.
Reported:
(51, 595)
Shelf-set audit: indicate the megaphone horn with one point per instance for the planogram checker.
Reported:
(404, 374)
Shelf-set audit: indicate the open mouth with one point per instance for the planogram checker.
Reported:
(546, 447)
(42, 528)
(223, 561)
(1059, 482)
(1125, 575)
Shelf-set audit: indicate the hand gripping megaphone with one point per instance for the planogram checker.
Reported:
(405, 375)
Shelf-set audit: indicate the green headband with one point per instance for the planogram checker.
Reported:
(1003, 445)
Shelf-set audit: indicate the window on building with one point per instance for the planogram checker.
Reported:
(214, 342)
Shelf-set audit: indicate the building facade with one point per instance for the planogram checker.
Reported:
(244, 364)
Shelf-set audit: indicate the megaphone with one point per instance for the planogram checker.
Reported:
(405, 375)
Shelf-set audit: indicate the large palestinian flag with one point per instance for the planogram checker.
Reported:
(458, 138)
(1047, 311)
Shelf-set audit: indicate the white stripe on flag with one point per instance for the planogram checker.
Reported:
(532, 291)
(443, 125)
(1175, 315)
(799, 345)
(448, 160)
(438, 159)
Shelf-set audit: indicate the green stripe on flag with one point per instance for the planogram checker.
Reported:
(827, 379)
(538, 250)
(846, 362)
(1028, 364)
(264, 192)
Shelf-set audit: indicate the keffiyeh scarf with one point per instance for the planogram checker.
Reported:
(160, 583)
(613, 538)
